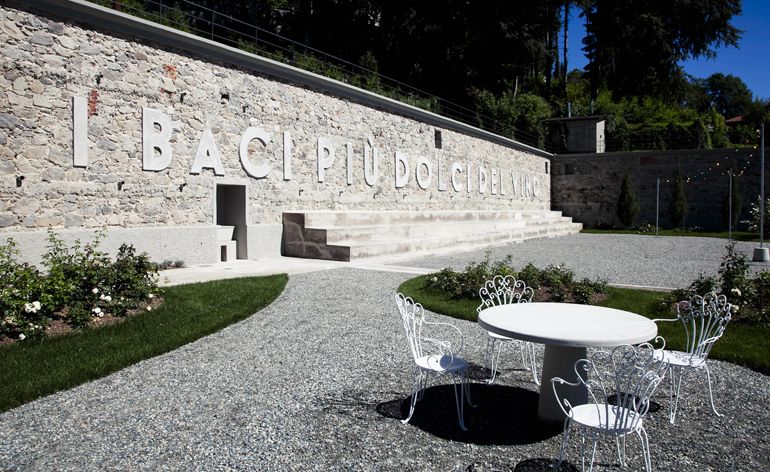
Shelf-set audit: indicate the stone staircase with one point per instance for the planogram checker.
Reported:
(354, 235)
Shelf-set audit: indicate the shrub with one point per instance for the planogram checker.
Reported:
(627, 205)
(81, 284)
(24, 307)
(750, 297)
(557, 282)
(678, 205)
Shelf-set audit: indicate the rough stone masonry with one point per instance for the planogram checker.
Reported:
(103, 130)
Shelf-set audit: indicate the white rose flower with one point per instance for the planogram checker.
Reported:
(36, 305)
(151, 296)
(96, 311)
(22, 337)
(107, 298)
(736, 292)
(434, 279)
(95, 290)
(149, 308)
(29, 308)
(734, 308)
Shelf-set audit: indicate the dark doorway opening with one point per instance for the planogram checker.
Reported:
(231, 211)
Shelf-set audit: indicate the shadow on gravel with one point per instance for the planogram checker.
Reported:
(544, 465)
(503, 415)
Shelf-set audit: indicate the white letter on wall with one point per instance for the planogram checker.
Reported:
(401, 179)
(493, 182)
(482, 180)
(152, 141)
(374, 155)
(349, 163)
(468, 166)
(79, 132)
(441, 178)
(325, 157)
(535, 187)
(286, 155)
(207, 155)
(423, 182)
(456, 167)
(260, 171)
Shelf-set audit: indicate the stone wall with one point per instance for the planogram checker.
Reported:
(72, 103)
(586, 186)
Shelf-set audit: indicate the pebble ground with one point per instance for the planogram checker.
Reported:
(319, 379)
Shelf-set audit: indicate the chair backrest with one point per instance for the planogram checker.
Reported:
(626, 376)
(503, 290)
(412, 317)
(704, 319)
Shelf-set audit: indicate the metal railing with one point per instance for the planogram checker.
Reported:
(249, 37)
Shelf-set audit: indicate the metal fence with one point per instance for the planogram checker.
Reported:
(247, 36)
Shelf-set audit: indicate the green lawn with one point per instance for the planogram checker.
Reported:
(29, 370)
(741, 344)
(737, 235)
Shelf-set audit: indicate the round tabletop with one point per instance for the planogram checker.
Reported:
(568, 324)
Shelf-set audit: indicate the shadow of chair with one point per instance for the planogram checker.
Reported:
(507, 416)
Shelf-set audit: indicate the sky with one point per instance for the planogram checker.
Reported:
(750, 61)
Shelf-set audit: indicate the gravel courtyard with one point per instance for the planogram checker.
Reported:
(319, 379)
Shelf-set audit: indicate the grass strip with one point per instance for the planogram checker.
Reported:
(29, 370)
(742, 344)
(737, 235)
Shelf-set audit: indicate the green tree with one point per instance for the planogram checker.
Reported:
(729, 95)
(628, 205)
(635, 46)
(677, 208)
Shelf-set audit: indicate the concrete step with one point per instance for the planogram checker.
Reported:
(325, 219)
(345, 236)
(461, 242)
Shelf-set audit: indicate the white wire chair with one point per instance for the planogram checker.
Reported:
(620, 383)
(433, 356)
(503, 290)
(704, 319)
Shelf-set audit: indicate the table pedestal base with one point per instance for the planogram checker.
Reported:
(559, 361)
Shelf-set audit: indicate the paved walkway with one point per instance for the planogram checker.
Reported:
(318, 381)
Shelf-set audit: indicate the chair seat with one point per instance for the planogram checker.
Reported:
(678, 358)
(594, 416)
(438, 363)
(499, 336)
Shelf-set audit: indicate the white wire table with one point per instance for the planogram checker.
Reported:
(567, 330)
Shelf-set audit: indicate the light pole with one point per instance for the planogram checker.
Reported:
(761, 254)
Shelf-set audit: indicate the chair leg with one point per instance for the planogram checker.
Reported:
(645, 449)
(524, 352)
(676, 386)
(459, 400)
(620, 442)
(564, 441)
(467, 387)
(493, 356)
(533, 362)
(593, 454)
(711, 395)
(419, 386)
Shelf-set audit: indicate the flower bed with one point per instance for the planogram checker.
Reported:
(81, 286)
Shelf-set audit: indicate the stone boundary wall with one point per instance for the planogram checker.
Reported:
(586, 186)
(104, 129)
